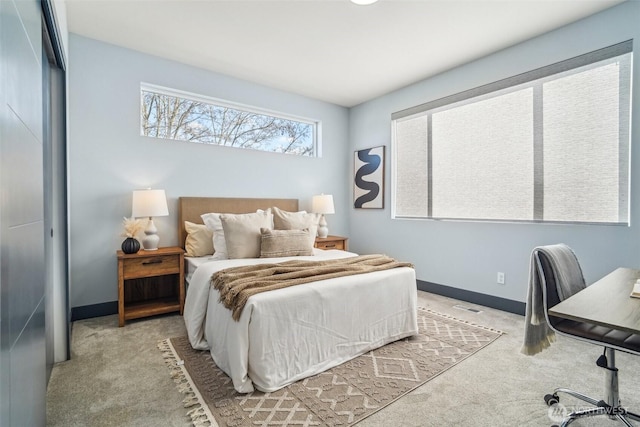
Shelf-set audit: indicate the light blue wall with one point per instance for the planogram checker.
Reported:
(467, 255)
(108, 158)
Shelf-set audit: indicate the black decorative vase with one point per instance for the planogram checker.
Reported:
(130, 245)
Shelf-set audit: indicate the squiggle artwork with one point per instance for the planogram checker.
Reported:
(368, 187)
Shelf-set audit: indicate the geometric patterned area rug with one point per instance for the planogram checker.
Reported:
(340, 396)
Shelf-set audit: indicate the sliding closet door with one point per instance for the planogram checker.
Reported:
(22, 229)
(59, 235)
(47, 191)
(55, 203)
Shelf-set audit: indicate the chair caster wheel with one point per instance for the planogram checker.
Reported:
(551, 399)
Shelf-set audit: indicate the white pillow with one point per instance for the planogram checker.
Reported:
(283, 220)
(269, 212)
(242, 233)
(213, 222)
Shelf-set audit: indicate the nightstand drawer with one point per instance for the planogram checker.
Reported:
(338, 244)
(331, 242)
(151, 266)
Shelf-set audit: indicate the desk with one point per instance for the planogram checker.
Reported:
(605, 303)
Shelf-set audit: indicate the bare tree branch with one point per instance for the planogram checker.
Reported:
(166, 116)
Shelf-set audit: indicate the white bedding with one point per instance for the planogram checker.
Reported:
(192, 264)
(292, 333)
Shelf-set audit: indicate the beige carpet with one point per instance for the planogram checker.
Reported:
(341, 396)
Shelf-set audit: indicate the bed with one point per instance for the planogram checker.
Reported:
(285, 335)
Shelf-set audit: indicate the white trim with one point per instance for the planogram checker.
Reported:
(148, 87)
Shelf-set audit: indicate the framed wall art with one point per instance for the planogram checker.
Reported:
(368, 182)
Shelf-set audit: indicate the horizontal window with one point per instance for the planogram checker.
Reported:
(171, 114)
(549, 145)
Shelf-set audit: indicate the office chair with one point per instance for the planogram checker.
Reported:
(610, 339)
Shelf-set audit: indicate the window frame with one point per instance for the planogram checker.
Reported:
(316, 125)
(538, 76)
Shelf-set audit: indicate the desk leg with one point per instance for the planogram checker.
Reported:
(611, 378)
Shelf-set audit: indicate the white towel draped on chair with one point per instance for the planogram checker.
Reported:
(569, 280)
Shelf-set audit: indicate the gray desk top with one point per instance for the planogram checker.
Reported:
(605, 303)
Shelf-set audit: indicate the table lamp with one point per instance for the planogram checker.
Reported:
(149, 203)
(322, 204)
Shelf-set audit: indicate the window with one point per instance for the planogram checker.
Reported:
(182, 116)
(549, 145)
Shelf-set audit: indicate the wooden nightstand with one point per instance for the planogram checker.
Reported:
(332, 242)
(150, 283)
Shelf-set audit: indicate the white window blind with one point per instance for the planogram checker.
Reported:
(548, 145)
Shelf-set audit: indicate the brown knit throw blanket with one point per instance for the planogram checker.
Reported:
(237, 284)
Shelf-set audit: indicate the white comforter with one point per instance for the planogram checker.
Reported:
(293, 333)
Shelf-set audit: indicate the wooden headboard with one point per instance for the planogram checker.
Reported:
(190, 208)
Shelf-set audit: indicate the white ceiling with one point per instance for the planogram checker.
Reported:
(330, 50)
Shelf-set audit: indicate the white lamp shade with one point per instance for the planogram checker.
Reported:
(322, 204)
(148, 203)
(363, 2)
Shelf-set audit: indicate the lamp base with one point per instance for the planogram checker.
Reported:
(151, 239)
(323, 230)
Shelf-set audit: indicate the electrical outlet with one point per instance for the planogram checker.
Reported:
(500, 278)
